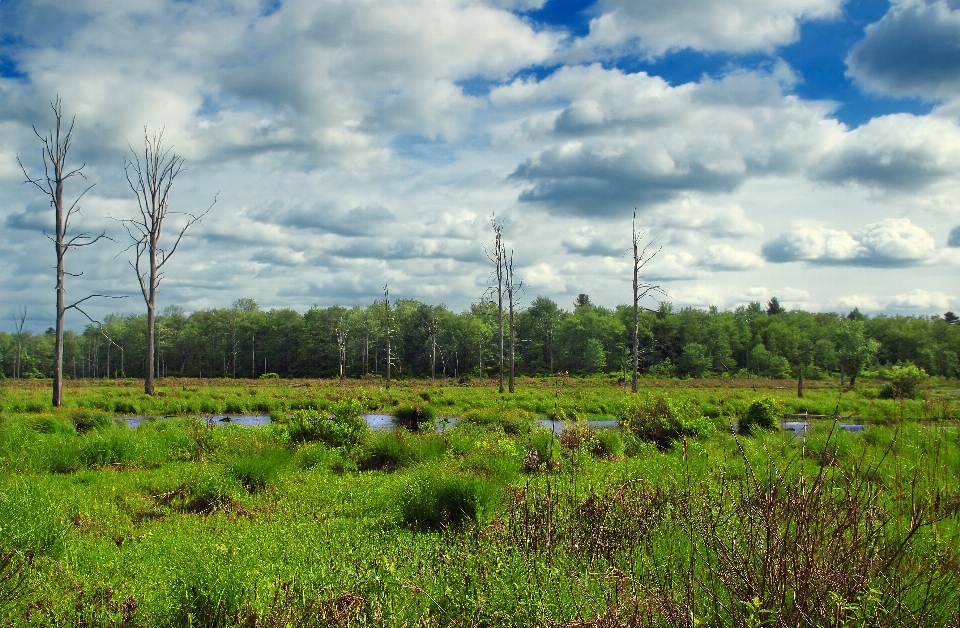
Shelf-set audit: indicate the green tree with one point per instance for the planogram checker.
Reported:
(854, 349)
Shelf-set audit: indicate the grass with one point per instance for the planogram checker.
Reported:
(493, 522)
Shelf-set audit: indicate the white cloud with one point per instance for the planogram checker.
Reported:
(900, 152)
(710, 25)
(628, 140)
(893, 242)
(921, 300)
(914, 50)
(953, 239)
(725, 257)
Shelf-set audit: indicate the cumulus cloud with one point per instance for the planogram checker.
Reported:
(710, 25)
(900, 151)
(725, 257)
(953, 239)
(914, 50)
(928, 300)
(893, 242)
(586, 241)
(718, 221)
(633, 140)
(673, 267)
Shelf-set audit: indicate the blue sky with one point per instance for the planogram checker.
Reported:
(804, 149)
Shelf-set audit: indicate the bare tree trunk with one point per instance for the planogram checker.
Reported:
(56, 145)
(386, 303)
(640, 290)
(19, 322)
(498, 259)
(800, 380)
(433, 349)
(151, 182)
(508, 267)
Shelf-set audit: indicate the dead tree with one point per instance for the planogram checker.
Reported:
(341, 333)
(151, 181)
(640, 290)
(56, 173)
(498, 257)
(386, 318)
(433, 348)
(19, 321)
(512, 289)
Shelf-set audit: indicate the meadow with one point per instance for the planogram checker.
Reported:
(313, 520)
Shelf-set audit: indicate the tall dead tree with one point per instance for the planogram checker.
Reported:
(512, 289)
(56, 173)
(341, 333)
(19, 321)
(386, 317)
(640, 290)
(151, 181)
(434, 327)
(498, 257)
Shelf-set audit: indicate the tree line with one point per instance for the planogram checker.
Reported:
(244, 341)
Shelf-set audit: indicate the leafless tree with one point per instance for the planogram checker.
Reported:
(433, 328)
(640, 289)
(386, 317)
(341, 333)
(151, 181)
(498, 257)
(19, 321)
(512, 289)
(56, 173)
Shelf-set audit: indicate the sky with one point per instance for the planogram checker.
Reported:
(803, 149)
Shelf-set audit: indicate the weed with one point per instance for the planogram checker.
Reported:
(763, 412)
(432, 501)
(414, 417)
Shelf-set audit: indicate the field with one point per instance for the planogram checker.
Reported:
(313, 520)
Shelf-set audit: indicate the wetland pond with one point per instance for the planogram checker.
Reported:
(384, 422)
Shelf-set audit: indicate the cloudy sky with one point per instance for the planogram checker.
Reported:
(807, 149)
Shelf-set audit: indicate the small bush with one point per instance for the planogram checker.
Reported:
(903, 382)
(607, 443)
(661, 420)
(345, 428)
(87, 419)
(258, 469)
(46, 424)
(414, 418)
(387, 451)
(115, 446)
(510, 421)
(543, 451)
(32, 521)
(269, 376)
(440, 499)
(764, 412)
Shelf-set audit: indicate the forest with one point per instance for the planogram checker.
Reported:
(244, 341)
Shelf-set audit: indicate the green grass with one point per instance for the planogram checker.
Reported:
(494, 522)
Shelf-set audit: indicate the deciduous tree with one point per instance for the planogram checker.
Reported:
(56, 173)
(151, 181)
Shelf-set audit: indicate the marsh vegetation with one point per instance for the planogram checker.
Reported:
(314, 519)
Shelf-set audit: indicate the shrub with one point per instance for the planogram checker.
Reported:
(31, 520)
(607, 443)
(387, 451)
(544, 450)
(764, 411)
(86, 419)
(661, 420)
(414, 418)
(108, 447)
(436, 500)
(514, 421)
(255, 470)
(903, 382)
(345, 428)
